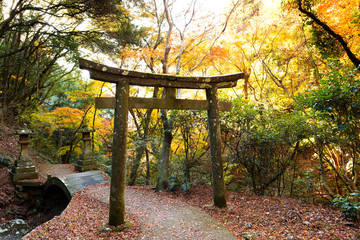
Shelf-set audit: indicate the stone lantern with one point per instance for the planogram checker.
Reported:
(86, 161)
(24, 167)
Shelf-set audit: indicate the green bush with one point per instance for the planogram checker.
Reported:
(176, 181)
(334, 108)
(349, 205)
(263, 142)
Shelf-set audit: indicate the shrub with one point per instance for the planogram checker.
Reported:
(349, 205)
(264, 142)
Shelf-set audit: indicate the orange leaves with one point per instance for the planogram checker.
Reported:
(67, 117)
(16, 77)
(219, 51)
(19, 78)
(342, 17)
(339, 15)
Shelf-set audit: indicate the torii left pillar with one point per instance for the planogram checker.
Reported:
(217, 174)
(119, 149)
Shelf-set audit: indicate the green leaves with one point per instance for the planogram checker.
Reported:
(337, 100)
(327, 45)
(335, 112)
(263, 142)
(349, 205)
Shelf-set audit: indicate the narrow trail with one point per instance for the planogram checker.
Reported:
(165, 218)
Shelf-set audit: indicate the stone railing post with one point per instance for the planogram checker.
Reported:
(86, 161)
(24, 167)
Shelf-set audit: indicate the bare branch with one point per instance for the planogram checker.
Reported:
(217, 38)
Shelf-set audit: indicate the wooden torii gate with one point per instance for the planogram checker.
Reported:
(122, 102)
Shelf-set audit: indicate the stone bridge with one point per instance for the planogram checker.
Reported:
(71, 183)
(65, 179)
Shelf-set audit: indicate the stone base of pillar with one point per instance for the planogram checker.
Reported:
(24, 173)
(86, 165)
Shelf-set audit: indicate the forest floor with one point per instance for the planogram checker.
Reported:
(247, 216)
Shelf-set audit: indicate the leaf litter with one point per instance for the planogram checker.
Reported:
(246, 216)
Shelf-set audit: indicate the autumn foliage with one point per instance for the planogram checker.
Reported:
(294, 126)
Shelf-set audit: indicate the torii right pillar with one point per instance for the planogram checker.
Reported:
(217, 174)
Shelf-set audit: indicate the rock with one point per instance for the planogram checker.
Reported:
(14, 230)
(349, 224)
(6, 161)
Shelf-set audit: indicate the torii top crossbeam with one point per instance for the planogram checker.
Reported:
(110, 74)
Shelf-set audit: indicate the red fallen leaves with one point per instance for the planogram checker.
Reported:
(84, 218)
(6, 188)
(247, 216)
(9, 142)
(264, 217)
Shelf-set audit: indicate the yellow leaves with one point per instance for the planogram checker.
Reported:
(63, 150)
(40, 49)
(74, 96)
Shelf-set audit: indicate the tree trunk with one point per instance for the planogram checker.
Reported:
(136, 163)
(142, 148)
(188, 174)
(147, 181)
(246, 88)
(163, 175)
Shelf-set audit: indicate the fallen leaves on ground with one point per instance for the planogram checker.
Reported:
(247, 217)
(263, 217)
(9, 146)
(7, 190)
(84, 218)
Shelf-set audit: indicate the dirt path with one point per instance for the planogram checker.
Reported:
(165, 218)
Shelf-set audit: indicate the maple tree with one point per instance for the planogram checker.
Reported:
(276, 55)
(59, 119)
(191, 145)
(334, 22)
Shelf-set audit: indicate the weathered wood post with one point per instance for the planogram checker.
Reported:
(217, 174)
(119, 150)
(24, 167)
(86, 161)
